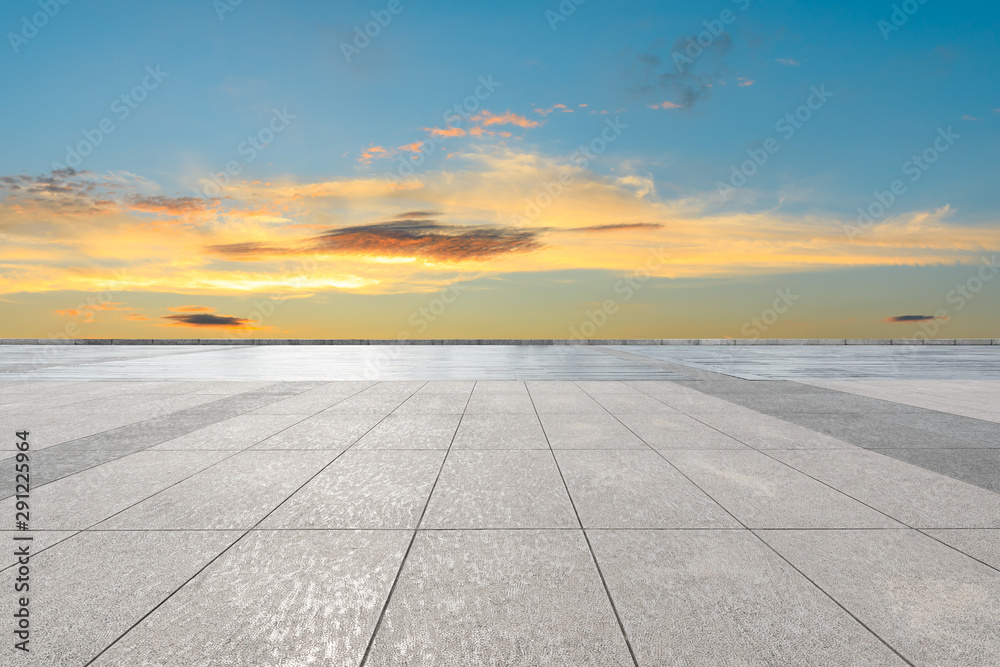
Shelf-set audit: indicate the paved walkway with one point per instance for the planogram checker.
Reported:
(569, 506)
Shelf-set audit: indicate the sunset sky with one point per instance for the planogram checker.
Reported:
(200, 169)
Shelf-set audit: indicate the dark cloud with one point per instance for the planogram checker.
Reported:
(619, 227)
(424, 238)
(207, 320)
(910, 318)
(685, 75)
(169, 205)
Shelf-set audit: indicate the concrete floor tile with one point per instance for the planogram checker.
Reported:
(607, 387)
(236, 493)
(433, 404)
(873, 432)
(500, 489)
(597, 430)
(500, 387)
(500, 432)
(506, 402)
(765, 432)
(636, 489)
(929, 602)
(94, 586)
(412, 431)
(913, 495)
(275, 598)
(676, 431)
(723, 598)
(236, 434)
(624, 403)
(975, 466)
(572, 402)
(463, 387)
(764, 493)
(369, 402)
(981, 544)
(40, 540)
(490, 598)
(79, 501)
(373, 489)
(330, 431)
(315, 400)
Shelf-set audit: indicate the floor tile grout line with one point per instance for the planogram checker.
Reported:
(735, 518)
(126, 454)
(237, 540)
(586, 538)
(413, 538)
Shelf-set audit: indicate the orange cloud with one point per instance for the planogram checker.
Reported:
(371, 153)
(487, 118)
(665, 105)
(445, 131)
(744, 81)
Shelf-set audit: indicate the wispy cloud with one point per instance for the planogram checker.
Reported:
(787, 62)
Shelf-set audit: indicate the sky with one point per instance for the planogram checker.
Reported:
(445, 169)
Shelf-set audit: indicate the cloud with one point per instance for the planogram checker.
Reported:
(970, 118)
(688, 79)
(373, 152)
(423, 239)
(665, 105)
(176, 206)
(207, 320)
(745, 82)
(911, 318)
(787, 62)
(622, 226)
(488, 118)
(444, 132)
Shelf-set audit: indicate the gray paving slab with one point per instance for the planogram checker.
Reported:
(412, 431)
(488, 598)
(81, 500)
(463, 387)
(564, 401)
(975, 466)
(329, 430)
(764, 493)
(237, 433)
(723, 598)
(913, 495)
(369, 402)
(500, 489)
(94, 586)
(363, 489)
(596, 430)
(983, 544)
(40, 541)
(874, 433)
(626, 403)
(516, 431)
(433, 404)
(933, 604)
(765, 432)
(236, 493)
(275, 598)
(315, 400)
(513, 402)
(636, 489)
(677, 431)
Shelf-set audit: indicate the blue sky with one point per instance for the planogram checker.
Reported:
(891, 92)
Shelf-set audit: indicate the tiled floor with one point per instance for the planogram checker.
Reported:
(624, 512)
